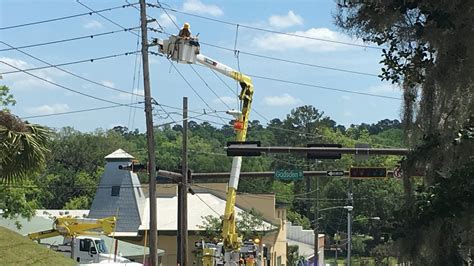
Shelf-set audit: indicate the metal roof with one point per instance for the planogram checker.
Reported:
(119, 154)
(199, 205)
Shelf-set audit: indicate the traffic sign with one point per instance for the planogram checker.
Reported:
(335, 173)
(288, 175)
(397, 172)
(367, 172)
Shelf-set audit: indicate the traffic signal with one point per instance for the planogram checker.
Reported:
(135, 167)
(367, 172)
(243, 144)
(323, 155)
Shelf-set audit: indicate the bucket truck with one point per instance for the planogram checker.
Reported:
(186, 50)
(79, 244)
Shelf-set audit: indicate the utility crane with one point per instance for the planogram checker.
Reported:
(186, 50)
(78, 242)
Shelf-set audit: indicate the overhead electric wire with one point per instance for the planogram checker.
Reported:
(61, 86)
(264, 30)
(117, 24)
(69, 39)
(207, 85)
(104, 17)
(91, 60)
(189, 84)
(324, 87)
(132, 97)
(290, 61)
(82, 111)
(66, 71)
(65, 17)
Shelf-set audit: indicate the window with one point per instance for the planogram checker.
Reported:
(115, 191)
(85, 245)
(101, 247)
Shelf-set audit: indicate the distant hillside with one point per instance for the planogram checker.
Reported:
(16, 249)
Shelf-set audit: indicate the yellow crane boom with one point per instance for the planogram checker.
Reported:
(69, 226)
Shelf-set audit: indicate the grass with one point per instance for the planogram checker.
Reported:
(360, 261)
(16, 249)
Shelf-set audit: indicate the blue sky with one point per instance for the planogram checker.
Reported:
(271, 99)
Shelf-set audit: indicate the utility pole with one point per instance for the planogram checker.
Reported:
(349, 222)
(316, 225)
(153, 239)
(183, 194)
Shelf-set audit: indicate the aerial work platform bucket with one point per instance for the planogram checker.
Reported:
(181, 50)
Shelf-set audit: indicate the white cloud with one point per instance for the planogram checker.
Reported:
(286, 21)
(108, 83)
(198, 7)
(165, 21)
(24, 81)
(280, 42)
(128, 96)
(93, 24)
(347, 113)
(226, 99)
(48, 109)
(281, 100)
(345, 97)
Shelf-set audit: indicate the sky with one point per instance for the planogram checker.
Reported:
(209, 95)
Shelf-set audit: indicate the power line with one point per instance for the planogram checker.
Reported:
(324, 87)
(291, 61)
(91, 60)
(104, 17)
(207, 85)
(118, 25)
(69, 39)
(65, 17)
(132, 105)
(61, 86)
(264, 30)
(66, 71)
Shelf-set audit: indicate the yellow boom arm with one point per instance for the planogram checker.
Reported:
(70, 227)
(229, 234)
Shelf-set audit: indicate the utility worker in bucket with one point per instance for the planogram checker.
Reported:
(185, 32)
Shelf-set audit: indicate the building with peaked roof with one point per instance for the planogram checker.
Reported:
(120, 194)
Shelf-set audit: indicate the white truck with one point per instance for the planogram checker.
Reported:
(88, 250)
(78, 243)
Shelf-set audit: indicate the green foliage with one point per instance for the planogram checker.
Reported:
(78, 203)
(24, 147)
(6, 98)
(249, 225)
(298, 219)
(18, 200)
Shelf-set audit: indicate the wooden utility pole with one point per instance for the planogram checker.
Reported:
(153, 238)
(183, 194)
(316, 225)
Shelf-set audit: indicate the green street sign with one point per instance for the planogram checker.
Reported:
(288, 175)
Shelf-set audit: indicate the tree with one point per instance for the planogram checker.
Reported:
(249, 225)
(24, 147)
(428, 54)
(6, 98)
(23, 151)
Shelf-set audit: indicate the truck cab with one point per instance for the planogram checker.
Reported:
(89, 250)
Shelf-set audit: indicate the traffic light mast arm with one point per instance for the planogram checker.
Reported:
(229, 233)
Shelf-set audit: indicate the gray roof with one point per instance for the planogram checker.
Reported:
(128, 205)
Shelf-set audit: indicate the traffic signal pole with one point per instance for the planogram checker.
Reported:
(243, 149)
